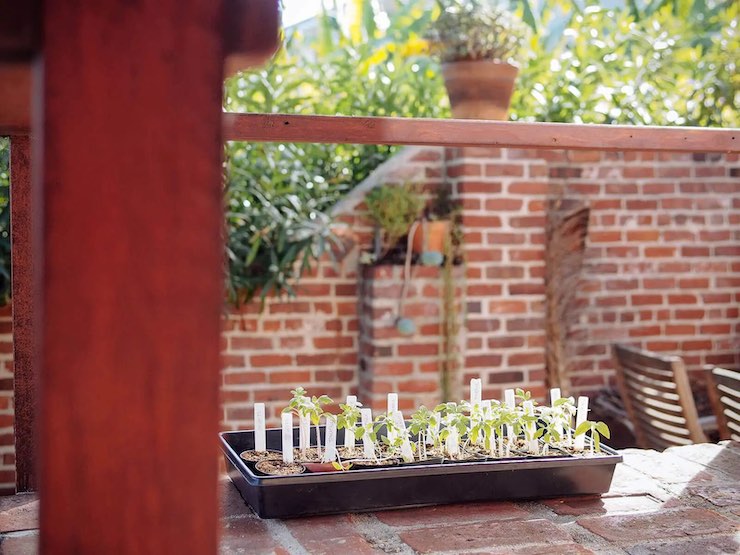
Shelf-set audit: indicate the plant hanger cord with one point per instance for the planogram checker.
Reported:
(406, 269)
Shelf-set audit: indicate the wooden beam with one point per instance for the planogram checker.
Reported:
(443, 132)
(248, 44)
(132, 278)
(25, 346)
(15, 98)
(20, 29)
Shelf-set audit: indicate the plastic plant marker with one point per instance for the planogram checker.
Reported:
(392, 408)
(259, 427)
(406, 452)
(452, 443)
(510, 402)
(476, 392)
(580, 441)
(287, 421)
(304, 432)
(349, 436)
(368, 447)
(554, 396)
(330, 442)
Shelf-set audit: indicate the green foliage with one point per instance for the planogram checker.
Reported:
(474, 30)
(394, 208)
(670, 63)
(279, 196)
(596, 429)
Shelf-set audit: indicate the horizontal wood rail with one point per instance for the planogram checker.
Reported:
(449, 132)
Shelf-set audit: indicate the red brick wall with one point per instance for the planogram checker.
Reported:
(394, 363)
(7, 439)
(662, 271)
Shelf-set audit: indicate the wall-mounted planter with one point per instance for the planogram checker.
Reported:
(410, 485)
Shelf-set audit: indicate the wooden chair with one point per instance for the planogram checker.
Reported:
(725, 397)
(656, 393)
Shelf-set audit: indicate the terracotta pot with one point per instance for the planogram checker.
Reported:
(430, 236)
(479, 89)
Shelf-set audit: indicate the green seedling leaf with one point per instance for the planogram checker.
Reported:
(603, 429)
(583, 428)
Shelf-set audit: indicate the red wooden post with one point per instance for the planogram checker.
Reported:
(25, 344)
(133, 269)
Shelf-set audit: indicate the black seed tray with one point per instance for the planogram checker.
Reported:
(371, 489)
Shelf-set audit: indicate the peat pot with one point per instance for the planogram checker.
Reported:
(479, 89)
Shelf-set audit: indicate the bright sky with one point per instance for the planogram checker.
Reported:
(295, 11)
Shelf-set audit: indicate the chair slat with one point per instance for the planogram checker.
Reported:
(665, 386)
(668, 406)
(662, 426)
(654, 373)
(657, 396)
(668, 418)
(727, 391)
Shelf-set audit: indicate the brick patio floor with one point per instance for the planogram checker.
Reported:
(685, 500)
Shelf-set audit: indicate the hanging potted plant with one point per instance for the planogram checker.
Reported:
(395, 210)
(434, 231)
(475, 43)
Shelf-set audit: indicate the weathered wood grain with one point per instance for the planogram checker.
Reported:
(24, 251)
(442, 132)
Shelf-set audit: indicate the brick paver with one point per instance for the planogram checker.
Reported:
(683, 501)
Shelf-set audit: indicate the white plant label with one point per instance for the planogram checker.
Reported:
(452, 443)
(555, 396)
(330, 441)
(406, 452)
(581, 417)
(259, 427)
(510, 402)
(304, 432)
(349, 434)
(287, 421)
(392, 409)
(476, 391)
(368, 448)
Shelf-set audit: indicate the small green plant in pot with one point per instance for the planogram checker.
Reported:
(393, 209)
(475, 42)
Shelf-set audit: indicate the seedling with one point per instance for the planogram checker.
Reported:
(312, 408)
(394, 435)
(596, 429)
(455, 424)
(422, 426)
(490, 426)
(348, 420)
